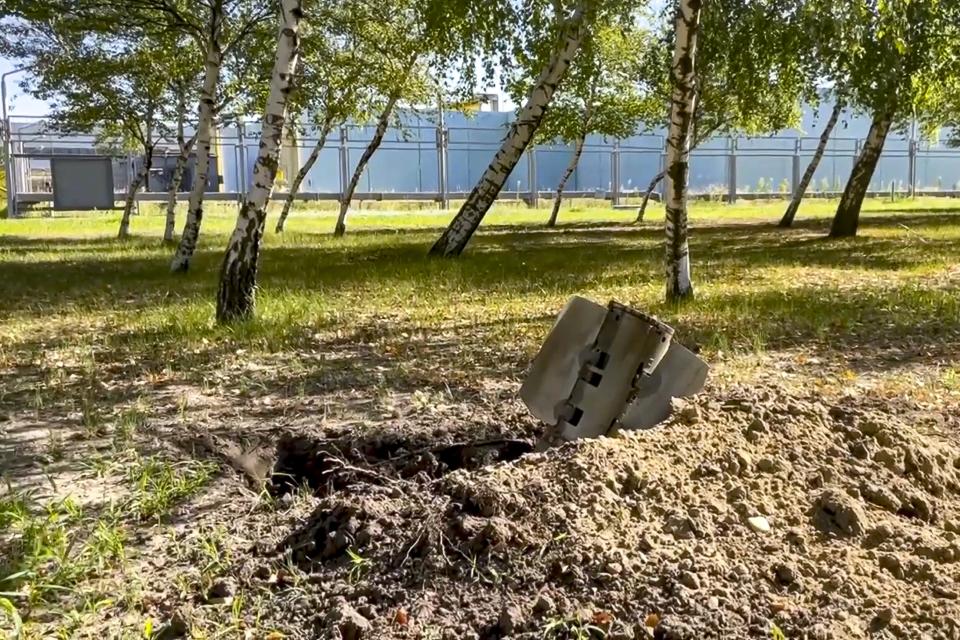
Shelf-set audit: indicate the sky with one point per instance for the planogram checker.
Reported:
(17, 102)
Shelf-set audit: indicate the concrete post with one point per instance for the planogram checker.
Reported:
(912, 167)
(732, 170)
(9, 179)
(442, 158)
(344, 162)
(615, 173)
(242, 169)
(795, 173)
(534, 197)
(663, 169)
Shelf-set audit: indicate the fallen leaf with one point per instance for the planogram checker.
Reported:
(401, 617)
(652, 620)
(602, 618)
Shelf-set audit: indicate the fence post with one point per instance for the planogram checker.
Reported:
(912, 166)
(534, 198)
(615, 173)
(795, 174)
(663, 168)
(9, 167)
(242, 169)
(442, 158)
(344, 162)
(732, 170)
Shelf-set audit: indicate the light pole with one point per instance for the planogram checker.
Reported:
(8, 140)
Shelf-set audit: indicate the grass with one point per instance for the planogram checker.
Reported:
(75, 294)
(95, 334)
(159, 484)
(50, 550)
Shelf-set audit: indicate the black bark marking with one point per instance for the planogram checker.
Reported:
(794, 206)
(847, 219)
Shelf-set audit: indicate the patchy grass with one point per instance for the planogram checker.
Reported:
(159, 484)
(88, 303)
(99, 344)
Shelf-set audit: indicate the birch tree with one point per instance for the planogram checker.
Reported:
(401, 49)
(601, 95)
(217, 27)
(184, 147)
(335, 84)
(571, 31)
(111, 90)
(755, 69)
(182, 85)
(683, 104)
(376, 54)
(210, 39)
(238, 275)
(226, 26)
(801, 188)
(894, 62)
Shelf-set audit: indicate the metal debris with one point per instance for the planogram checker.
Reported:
(604, 368)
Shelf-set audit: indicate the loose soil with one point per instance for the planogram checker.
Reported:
(751, 512)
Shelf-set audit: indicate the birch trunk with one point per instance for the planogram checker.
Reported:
(455, 238)
(698, 138)
(574, 160)
(178, 171)
(238, 275)
(205, 124)
(801, 190)
(847, 218)
(682, 105)
(646, 196)
(301, 176)
(124, 231)
(382, 123)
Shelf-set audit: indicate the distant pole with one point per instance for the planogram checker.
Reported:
(534, 200)
(732, 171)
(912, 159)
(663, 170)
(441, 155)
(615, 173)
(344, 162)
(795, 172)
(8, 143)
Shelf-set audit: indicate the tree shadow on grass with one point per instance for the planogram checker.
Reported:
(521, 262)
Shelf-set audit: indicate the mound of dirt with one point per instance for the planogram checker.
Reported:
(750, 511)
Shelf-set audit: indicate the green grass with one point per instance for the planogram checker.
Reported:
(97, 332)
(159, 484)
(77, 298)
(50, 550)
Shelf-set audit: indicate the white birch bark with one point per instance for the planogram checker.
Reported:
(302, 175)
(238, 275)
(682, 106)
(135, 184)
(382, 123)
(698, 139)
(184, 146)
(455, 238)
(648, 193)
(182, 158)
(847, 218)
(801, 190)
(205, 124)
(571, 167)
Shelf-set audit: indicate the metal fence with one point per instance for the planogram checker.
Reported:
(434, 163)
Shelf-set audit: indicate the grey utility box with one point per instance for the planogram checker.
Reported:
(82, 184)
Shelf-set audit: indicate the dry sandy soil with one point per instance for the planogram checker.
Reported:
(761, 509)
